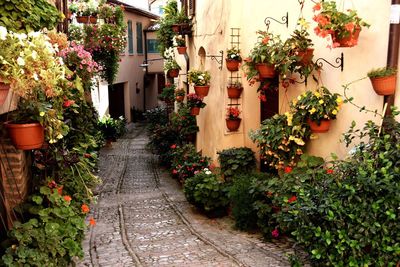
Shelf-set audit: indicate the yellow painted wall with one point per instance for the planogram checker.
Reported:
(212, 24)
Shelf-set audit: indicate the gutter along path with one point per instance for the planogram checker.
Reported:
(143, 219)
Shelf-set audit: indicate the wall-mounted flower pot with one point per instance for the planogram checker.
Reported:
(323, 127)
(26, 136)
(348, 41)
(233, 125)
(86, 19)
(234, 92)
(306, 56)
(4, 89)
(232, 64)
(173, 73)
(384, 85)
(194, 111)
(181, 50)
(265, 70)
(201, 91)
(179, 98)
(176, 28)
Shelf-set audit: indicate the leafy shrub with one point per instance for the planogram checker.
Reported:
(155, 117)
(161, 139)
(236, 160)
(208, 193)
(112, 128)
(183, 122)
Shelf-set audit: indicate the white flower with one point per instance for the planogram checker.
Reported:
(20, 61)
(61, 61)
(22, 71)
(3, 33)
(34, 34)
(59, 136)
(34, 54)
(35, 76)
(205, 169)
(208, 172)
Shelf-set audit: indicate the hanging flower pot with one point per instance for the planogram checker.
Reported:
(265, 70)
(306, 56)
(26, 136)
(181, 50)
(86, 19)
(201, 91)
(194, 111)
(349, 41)
(234, 92)
(323, 127)
(232, 64)
(233, 125)
(173, 73)
(179, 98)
(384, 85)
(176, 28)
(4, 89)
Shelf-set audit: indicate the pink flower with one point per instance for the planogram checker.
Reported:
(173, 146)
(275, 233)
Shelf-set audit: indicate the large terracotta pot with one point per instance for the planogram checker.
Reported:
(202, 91)
(181, 50)
(234, 92)
(384, 85)
(233, 125)
(306, 56)
(265, 70)
(4, 89)
(26, 136)
(232, 64)
(86, 19)
(173, 73)
(194, 111)
(323, 127)
(346, 41)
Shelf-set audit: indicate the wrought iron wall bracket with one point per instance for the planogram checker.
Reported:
(338, 60)
(219, 61)
(285, 20)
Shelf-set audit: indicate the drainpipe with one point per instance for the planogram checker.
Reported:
(146, 73)
(393, 51)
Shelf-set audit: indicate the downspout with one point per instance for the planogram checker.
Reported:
(146, 73)
(393, 52)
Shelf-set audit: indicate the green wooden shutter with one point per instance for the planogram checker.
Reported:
(139, 37)
(130, 38)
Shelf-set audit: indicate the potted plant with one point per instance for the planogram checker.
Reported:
(172, 68)
(180, 94)
(383, 80)
(195, 102)
(180, 44)
(87, 11)
(232, 118)
(233, 59)
(168, 93)
(201, 81)
(301, 45)
(181, 22)
(344, 27)
(318, 108)
(235, 89)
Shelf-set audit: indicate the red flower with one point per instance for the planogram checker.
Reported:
(349, 27)
(60, 190)
(67, 198)
(87, 155)
(173, 146)
(317, 7)
(52, 184)
(265, 40)
(292, 199)
(85, 208)
(275, 233)
(92, 222)
(329, 171)
(174, 172)
(68, 103)
(288, 169)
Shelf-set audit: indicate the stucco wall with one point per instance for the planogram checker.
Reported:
(213, 21)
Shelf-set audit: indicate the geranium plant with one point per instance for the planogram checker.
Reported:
(232, 113)
(194, 100)
(199, 78)
(344, 27)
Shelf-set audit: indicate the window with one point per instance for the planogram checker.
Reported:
(139, 37)
(152, 46)
(130, 38)
(191, 7)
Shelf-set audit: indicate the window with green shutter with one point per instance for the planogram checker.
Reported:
(139, 38)
(130, 38)
(152, 46)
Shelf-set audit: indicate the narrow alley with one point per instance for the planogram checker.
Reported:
(143, 219)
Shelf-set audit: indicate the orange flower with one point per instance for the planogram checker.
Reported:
(317, 7)
(85, 208)
(349, 27)
(265, 40)
(60, 190)
(92, 221)
(67, 198)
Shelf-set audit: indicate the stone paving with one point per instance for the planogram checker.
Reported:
(143, 219)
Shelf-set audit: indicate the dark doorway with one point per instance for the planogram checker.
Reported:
(161, 83)
(116, 100)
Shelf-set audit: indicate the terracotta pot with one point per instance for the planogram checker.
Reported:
(201, 91)
(384, 85)
(234, 92)
(26, 136)
(176, 28)
(4, 89)
(346, 41)
(322, 128)
(232, 64)
(233, 125)
(181, 50)
(306, 56)
(173, 73)
(195, 111)
(86, 19)
(265, 70)
(179, 98)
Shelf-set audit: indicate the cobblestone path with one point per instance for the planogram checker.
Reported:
(143, 219)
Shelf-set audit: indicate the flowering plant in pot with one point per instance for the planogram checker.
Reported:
(232, 118)
(180, 94)
(168, 93)
(86, 11)
(344, 27)
(195, 103)
(318, 108)
(235, 89)
(180, 43)
(201, 81)
(180, 21)
(233, 59)
(172, 68)
(383, 80)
